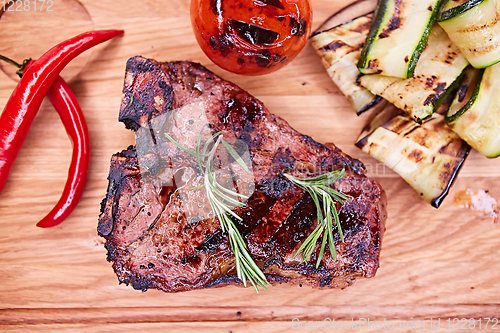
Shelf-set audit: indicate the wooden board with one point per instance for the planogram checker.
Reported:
(434, 263)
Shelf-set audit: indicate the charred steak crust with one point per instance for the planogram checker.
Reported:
(153, 245)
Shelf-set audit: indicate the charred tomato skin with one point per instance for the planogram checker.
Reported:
(251, 37)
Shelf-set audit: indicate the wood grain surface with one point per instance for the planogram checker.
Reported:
(434, 263)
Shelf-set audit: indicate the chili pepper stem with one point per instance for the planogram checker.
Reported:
(21, 67)
(10, 61)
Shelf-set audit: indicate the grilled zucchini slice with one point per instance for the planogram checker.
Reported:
(427, 156)
(475, 113)
(397, 37)
(339, 49)
(474, 26)
(440, 65)
(380, 118)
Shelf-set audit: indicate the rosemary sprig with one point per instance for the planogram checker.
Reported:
(324, 198)
(221, 201)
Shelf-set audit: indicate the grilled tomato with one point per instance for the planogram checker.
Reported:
(251, 37)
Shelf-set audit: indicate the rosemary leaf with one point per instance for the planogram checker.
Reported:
(199, 156)
(225, 197)
(322, 248)
(235, 155)
(210, 140)
(324, 198)
(222, 188)
(181, 147)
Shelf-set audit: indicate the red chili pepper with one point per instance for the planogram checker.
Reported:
(64, 101)
(28, 95)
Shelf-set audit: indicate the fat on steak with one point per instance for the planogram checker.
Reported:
(154, 243)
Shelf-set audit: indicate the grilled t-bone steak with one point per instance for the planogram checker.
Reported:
(154, 243)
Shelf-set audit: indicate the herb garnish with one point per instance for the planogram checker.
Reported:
(324, 198)
(221, 199)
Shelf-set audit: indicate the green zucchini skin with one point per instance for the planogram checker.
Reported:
(450, 118)
(385, 51)
(418, 51)
(456, 11)
(474, 27)
(440, 65)
(378, 17)
(451, 89)
(477, 120)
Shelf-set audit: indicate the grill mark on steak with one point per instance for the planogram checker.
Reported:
(154, 244)
(258, 205)
(259, 239)
(211, 243)
(286, 240)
